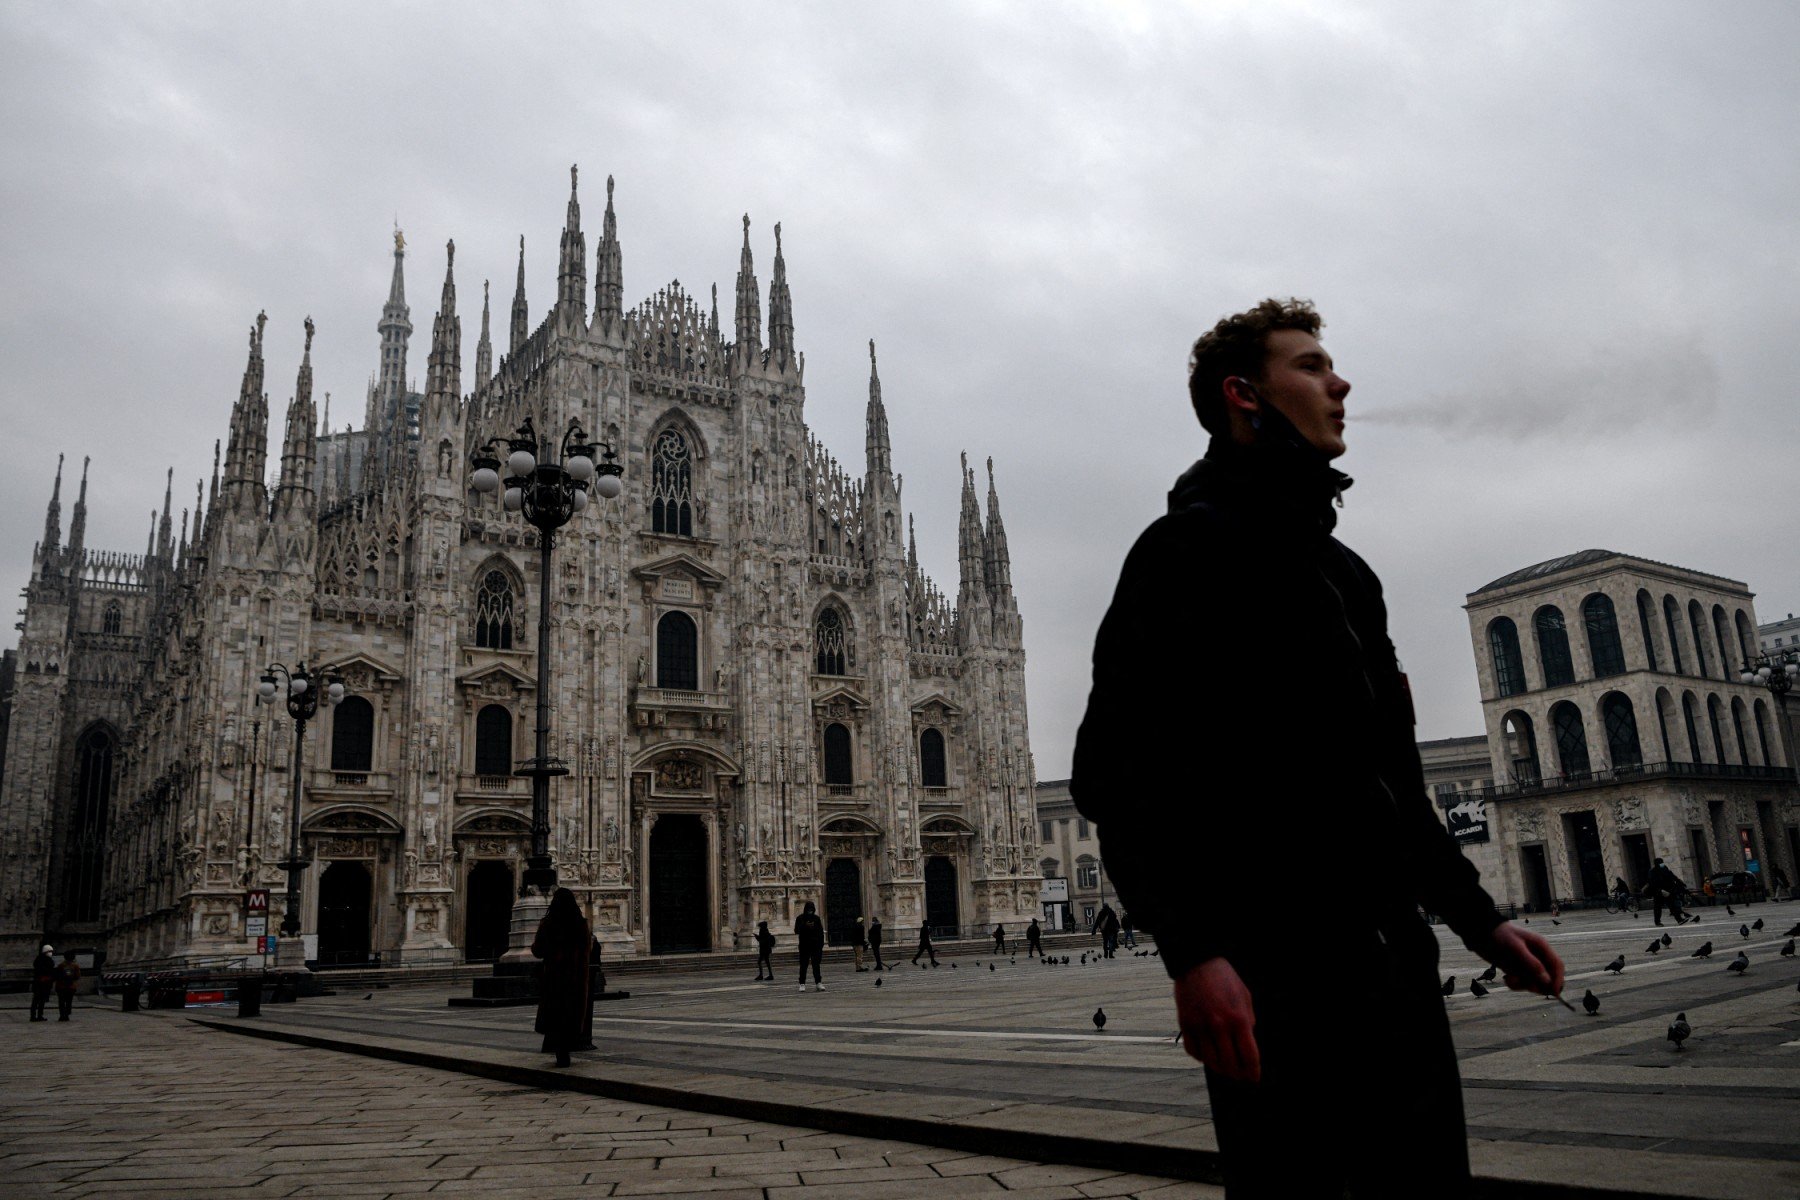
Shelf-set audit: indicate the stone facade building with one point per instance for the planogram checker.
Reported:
(760, 697)
(1071, 850)
(1619, 730)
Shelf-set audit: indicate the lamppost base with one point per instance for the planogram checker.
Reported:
(528, 910)
(290, 955)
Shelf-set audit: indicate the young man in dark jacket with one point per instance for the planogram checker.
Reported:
(875, 941)
(43, 979)
(1665, 888)
(1203, 764)
(811, 933)
(68, 975)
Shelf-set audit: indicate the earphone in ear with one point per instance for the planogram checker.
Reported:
(1255, 417)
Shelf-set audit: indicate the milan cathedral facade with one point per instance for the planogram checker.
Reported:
(760, 698)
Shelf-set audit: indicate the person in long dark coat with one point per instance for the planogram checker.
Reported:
(1107, 926)
(43, 979)
(68, 974)
(811, 932)
(875, 941)
(765, 946)
(999, 939)
(563, 947)
(1034, 939)
(925, 946)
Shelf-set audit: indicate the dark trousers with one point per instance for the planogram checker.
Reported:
(65, 1001)
(814, 955)
(1374, 1084)
(40, 998)
(1108, 943)
(875, 948)
(1033, 946)
(1674, 902)
(763, 964)
(999, 943)
(926, 948)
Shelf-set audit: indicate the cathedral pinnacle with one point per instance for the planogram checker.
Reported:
(395, 328)
(571, 274)
(78, 520)
(781, 310)
(484, 348)
(443, 373)
(880, 451)
(609, 280)
(53, 515)
(521, 326)
(247, 449)
(299, 443)
(749, 306)
(165, 544)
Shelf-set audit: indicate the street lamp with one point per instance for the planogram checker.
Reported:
(1777, 670)
(304, 692)
(548, 495)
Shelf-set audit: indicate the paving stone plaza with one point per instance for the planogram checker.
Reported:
(890, 1091)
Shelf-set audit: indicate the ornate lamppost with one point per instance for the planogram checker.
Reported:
(548, 495)
(305, 692)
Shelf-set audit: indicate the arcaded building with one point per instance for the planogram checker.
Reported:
(759, 695)
(1619, 730)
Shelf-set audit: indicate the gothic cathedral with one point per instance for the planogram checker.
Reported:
(760, 698)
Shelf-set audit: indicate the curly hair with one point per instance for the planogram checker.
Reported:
(1237, 346)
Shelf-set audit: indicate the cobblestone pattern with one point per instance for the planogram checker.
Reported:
(114, 1105)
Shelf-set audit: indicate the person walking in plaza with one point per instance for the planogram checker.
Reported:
(1245, 556)
(925, 946)
(999, 939)
(860, 944)
(875, 941)
(563, 947)
(68, 974)
(765, 946)
(811, 933)
(1127, 936)
(1106, 924)
(1034, 940)
(43, 982)
(1665, 888)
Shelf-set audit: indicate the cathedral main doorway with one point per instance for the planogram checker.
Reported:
(489, 911)
(680, 894)
(345, 891)
(843, 900)
(940, 897)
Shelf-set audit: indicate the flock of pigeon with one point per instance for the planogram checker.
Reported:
(1680, 1031)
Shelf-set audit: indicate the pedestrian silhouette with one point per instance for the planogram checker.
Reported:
(43, 982)
(564, 947)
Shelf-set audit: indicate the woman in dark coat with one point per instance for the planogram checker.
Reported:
(811, 933)
(563, 948)
(765, 946)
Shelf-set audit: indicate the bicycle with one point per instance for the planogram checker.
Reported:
(1621, 903)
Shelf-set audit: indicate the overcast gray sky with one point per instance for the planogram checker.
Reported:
(1555, 246)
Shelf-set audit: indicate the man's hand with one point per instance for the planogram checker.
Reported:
(1218, 1024)
(1525, 959)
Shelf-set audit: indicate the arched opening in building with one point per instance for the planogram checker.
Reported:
(1509, 665)
(1646, 627)
(677, 652)
(494, 740)
(1737, 728)
(495, 608)
(85, 862)
(1672, 623)
(931, 760)
(671, 485)
(1553, 646)
(1521, 748)
(1690, 719)
(1762, 734)
(1571, 740)
(353, 735)
(1697, 625)
(941, 909)
(346, 891)
(1605, 652)
(488, 911)
(838, 769)
(1718, 731)
(680, 892)
(843, 900)
(1620, 721)
(830, 640)
(1665, 717)
(1728, 661)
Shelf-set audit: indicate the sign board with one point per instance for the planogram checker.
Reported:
(266, 945)
(1754, 866)
(256, 927)
(256, 902)
(1053, 891)
(1467, 821)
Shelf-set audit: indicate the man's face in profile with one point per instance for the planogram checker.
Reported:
(1300, 382)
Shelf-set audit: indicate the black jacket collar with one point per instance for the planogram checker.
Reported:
(1281, 478)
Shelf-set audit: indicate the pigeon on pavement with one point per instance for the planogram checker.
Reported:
(1654, 948)
(1489, 975)
(1450, 986)
(1591, 1002)
(1475, 988)
(1795, 931)
(370, 996)
(1554, 921)
(1099, 1018)
(1787, 951)
(1743, 931)
(1667, 940)
(1730, 911)
(990, 966)
(1740, 964)
(1757, 924)
(878, 981)
(1680, 1031)
(1616, 965)
(1705, 951)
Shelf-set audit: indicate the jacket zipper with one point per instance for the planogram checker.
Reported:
(1362, 663)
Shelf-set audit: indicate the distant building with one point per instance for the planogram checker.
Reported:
(1779, 635)
(1619, 731)
(1070, 849)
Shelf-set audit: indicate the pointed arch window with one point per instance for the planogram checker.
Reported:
(353, 735)
(1521, 748)
(1697, 623)
(677, 652)
(838, 769)
(931, 760)
(1571, 739)
(1722, 631)
(496, 614)
(1644, 625)
(1762, 733)
(829, 642)
(84, 865)
(1746, 637)
(494, 740)
(113, 619)
(1665, 708)
(1672, 622)
(1718, 732)
(1690, 716)
(1509, 667)
(1604, 650)
(671, 485)
(1737, 727)
(1553, 646)
(1622, 746)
